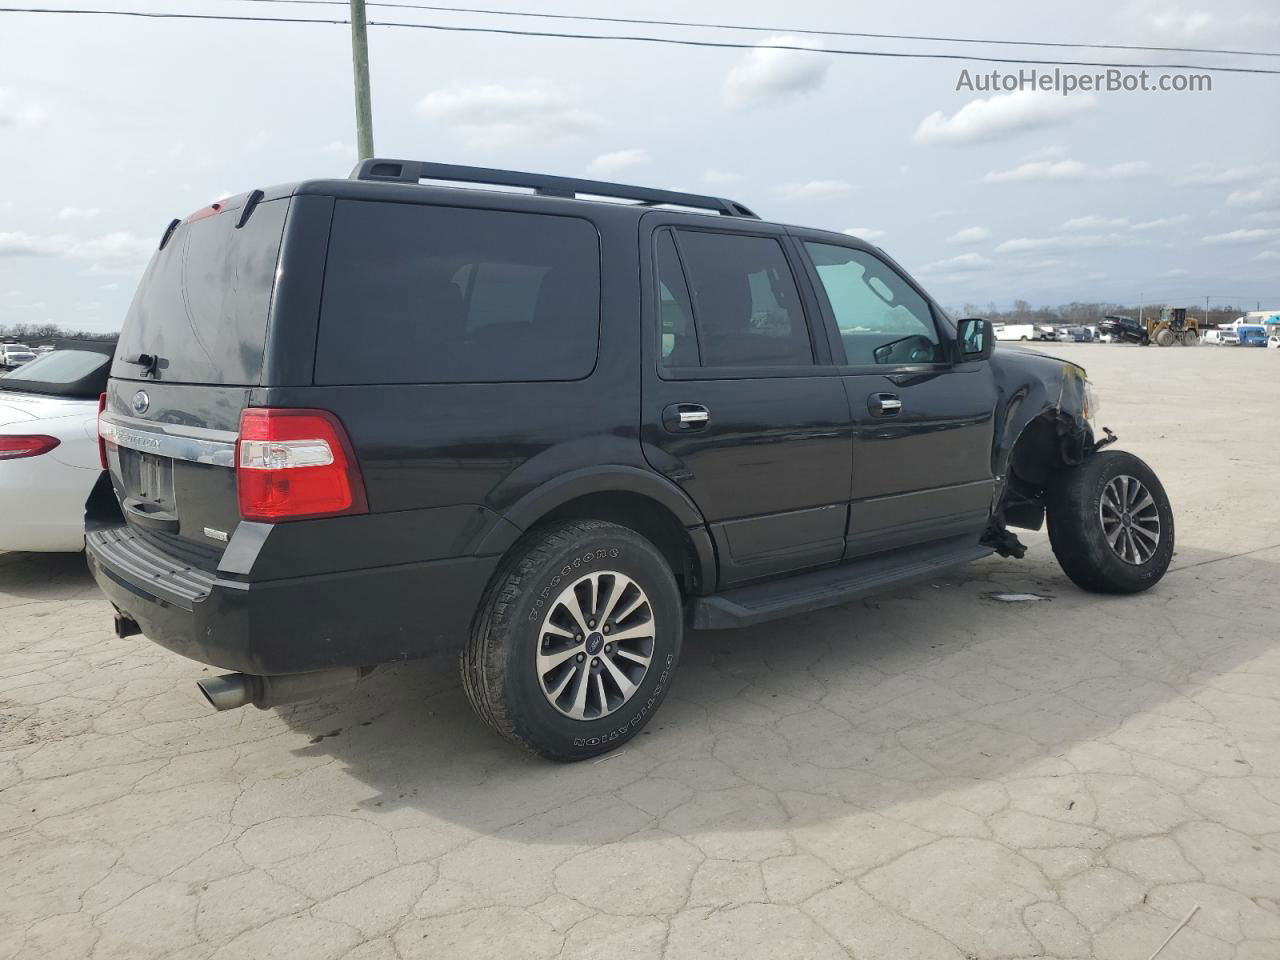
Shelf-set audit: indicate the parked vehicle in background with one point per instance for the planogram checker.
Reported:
(1124, 329)
(49, 447)
(1252, 335)
(1273, 341)
(1016, 331)
(1046, 331)
(537, 481)
(1074, 335)
(13, 355)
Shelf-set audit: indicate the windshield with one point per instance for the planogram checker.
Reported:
(73, 373)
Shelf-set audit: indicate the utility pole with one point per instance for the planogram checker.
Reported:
(360, 65)
(1206, 309)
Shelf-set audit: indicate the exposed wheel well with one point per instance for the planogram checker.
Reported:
(1050, 443)
(646, 517)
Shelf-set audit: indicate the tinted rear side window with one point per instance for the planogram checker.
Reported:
(745, 302)
(420, 294)
(202, 305)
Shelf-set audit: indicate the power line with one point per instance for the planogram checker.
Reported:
(804, 31)
(638, 38)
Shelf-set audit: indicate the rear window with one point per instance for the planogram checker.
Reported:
(68, 373)
(202, 305)
(421, 294)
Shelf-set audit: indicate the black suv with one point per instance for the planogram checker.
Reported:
(352, 422)
(1124, 329)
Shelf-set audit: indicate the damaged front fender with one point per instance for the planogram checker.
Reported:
(1043, 425)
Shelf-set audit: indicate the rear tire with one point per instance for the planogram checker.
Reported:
(542, 672)
(1110, 524)
(1190, 338)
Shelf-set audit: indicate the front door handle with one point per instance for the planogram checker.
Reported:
(884, 405)
(685, 417)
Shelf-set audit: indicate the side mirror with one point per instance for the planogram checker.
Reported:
(975, 339)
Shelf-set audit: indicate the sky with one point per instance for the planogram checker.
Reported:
(110, 127)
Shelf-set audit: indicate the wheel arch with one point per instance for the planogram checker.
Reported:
(652, 506)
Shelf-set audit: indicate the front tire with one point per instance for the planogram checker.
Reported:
(576, 641)
(1110, 524)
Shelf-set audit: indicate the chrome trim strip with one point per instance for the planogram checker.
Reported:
(217, 453)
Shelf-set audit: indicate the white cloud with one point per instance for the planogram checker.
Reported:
(1268, 256)
(815, 190)
(25, 245)
(1265, 197)
(1095, 222)
(1206, 174)
(1183, 26)
(1175, 272)
(1000, 116)
(339, 148)
(969, 235)
(494, 115)
(1031, 265)
(1235, 238)
(1064, 170)
(611, 164)
(118, 247)
(1080, 241)
(719, 177)
(16, 112)
(1161, 222)
(78, 213)
(768, 76)
(965, 262)
(864, 233)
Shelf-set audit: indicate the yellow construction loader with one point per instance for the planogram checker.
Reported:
(1172, 328)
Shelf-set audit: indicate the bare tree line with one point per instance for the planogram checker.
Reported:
(45, 331)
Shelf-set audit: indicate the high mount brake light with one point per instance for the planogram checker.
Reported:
(294, 465)
(18, 447)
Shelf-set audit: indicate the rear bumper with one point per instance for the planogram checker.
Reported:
(350, 619)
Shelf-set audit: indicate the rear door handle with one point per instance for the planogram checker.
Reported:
(884, 405)
(685, 417)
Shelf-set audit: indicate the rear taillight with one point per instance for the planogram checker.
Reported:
(102, 441)
(16, 446)
(296, 464)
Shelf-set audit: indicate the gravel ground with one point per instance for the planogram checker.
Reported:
(930, 774)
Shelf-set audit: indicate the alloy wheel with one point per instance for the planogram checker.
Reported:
(595, 645)
(1130, 519)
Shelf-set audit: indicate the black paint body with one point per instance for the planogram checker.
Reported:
(795, 469)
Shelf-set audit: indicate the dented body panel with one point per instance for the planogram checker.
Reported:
(1042, 424)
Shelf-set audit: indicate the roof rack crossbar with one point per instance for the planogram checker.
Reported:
(413, 171)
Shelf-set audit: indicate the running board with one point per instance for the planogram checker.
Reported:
(831, 586)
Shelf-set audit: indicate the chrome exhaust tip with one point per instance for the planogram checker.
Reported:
(233, 690)
(229, 691)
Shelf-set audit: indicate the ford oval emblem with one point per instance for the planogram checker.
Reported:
(141, 402)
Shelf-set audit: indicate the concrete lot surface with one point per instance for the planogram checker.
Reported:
(931, 774)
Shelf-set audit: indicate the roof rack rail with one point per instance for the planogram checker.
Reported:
(412, 171)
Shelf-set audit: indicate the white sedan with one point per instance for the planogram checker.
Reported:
(49, 448)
